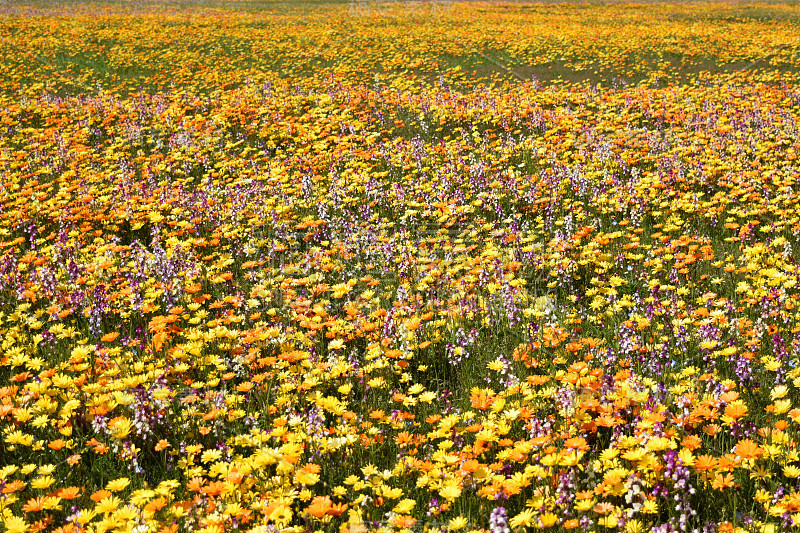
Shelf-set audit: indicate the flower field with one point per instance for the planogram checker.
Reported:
(366, 267)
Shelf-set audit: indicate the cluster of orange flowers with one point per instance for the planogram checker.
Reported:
(441, 267)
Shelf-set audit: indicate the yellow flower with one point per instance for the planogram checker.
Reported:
(404, 506)
(336, 344)
(687, 457)
(634, 526)
(585, 505)
(611, 521)
(166, 487)
(772, 365)
(108, 504)
(497, 366)
(634, 455)
(709, 344)
(760, 472)
(22, 415)
(547, 519)
(282, 514)
(7, 471)
(658, 444)
(791, 471)
(306, 478)
(210, 455)
(416, 388)
(392, 493)
(118, 484)
(85, 516)
(161, 394)
(15, 524)
(427, 396)
(457, 523)
(782, 406)
(140, 497)
(126, 513)
(377, 382)
(778, 392)
(340, 289)
(523, 519)
(450, 492)
(650, 507)
(609, 453)
(763, 496)
(42, 482)
(121, 428)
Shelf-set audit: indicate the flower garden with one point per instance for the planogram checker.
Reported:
(300, 267)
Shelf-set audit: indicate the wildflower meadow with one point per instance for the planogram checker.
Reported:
(399, 266)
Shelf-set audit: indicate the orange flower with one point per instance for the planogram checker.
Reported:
(245, 387)
(155, 505)
(214, 489)
(403, 439)
(235, 477)
(748, 449)
(195, 484)
(578, 443)
(729, 396)
(721, 483)
(413, 324)
(338, 508)
(728, 462)
(109, 337)
(736, 411)
(481, 400)
(320, 506)
(692, 442)
(33, 505)
(100, 494)
(14, 486)
(69, 493)
(405, 521)
(311, 468)
(574, 346)
(705, 462)
(22, 376)
(538, 379)
(480, 447)
(603, 508)
(101, 448)
(470, 466)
